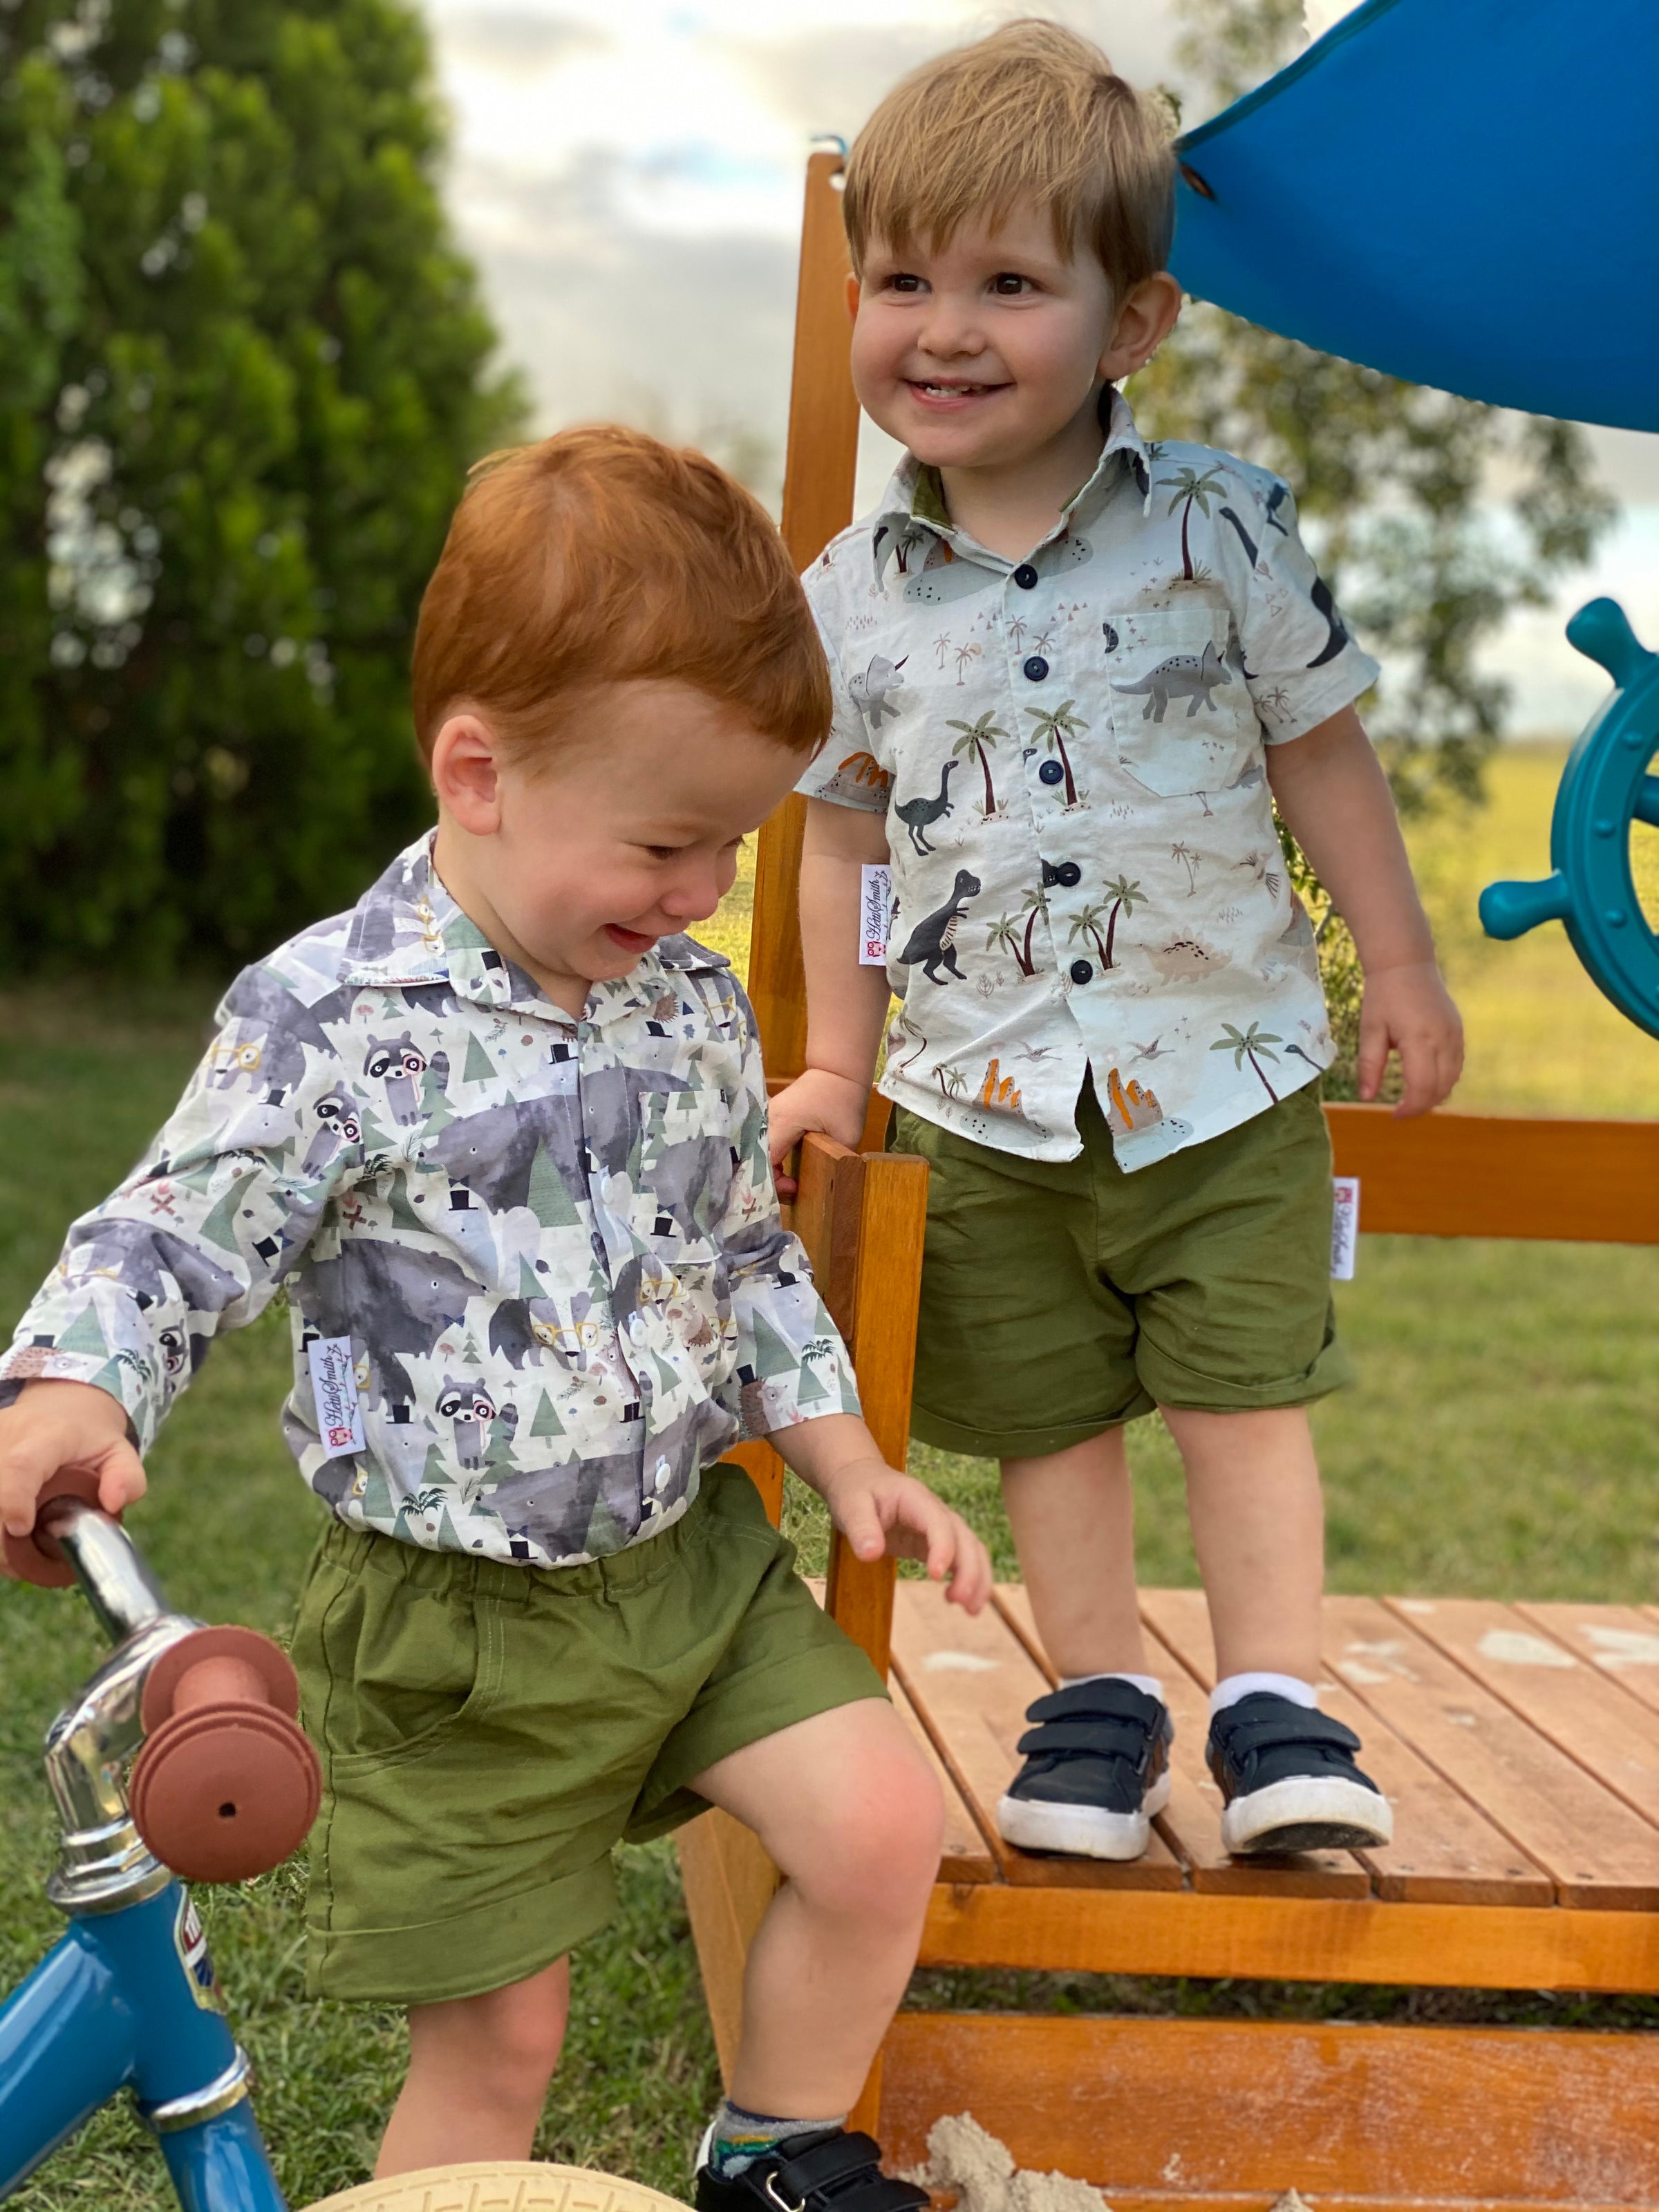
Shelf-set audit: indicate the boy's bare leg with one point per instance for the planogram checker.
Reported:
(850, 1811)
(1258, 1530)
(478, 2072)
(1073, 1521)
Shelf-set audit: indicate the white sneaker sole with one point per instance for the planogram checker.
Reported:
(1308, 1813)
(1082, 1831)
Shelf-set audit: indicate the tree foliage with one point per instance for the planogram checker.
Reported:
(1433, 517)
(242, 371)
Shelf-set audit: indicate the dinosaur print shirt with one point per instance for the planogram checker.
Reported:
(535, 1272)
(1069, 753)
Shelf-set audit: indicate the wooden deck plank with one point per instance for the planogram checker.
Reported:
(1581, 1713)
(1598, 1853)
(1192, 1823)
(1290, 1939)
(965, 1854)
(970, 1681)
(1424, 2115)
(1620, 1641)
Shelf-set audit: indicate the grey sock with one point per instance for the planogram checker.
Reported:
(737, 2138)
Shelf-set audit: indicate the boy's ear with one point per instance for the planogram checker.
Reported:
(1144, 320)
(467, 773)
(853, 295)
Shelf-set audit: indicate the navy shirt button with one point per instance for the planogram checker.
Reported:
(1081, 972)
(1068, 874)
(1025, 576)
(1037, 668)
(1051, 771)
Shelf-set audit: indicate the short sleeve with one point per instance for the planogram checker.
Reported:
(853, 769)
(1302, 661)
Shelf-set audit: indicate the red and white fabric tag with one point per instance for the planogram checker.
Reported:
(875, 914)
(1344, 1226)
(334, 1384)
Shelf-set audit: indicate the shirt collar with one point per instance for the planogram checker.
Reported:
(914, 501)
(407, 931)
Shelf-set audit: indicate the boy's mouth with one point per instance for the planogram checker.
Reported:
(946, 394)
(628, 941)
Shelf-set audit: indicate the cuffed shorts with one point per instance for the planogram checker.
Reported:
(1063, 1298)
(488, 1733)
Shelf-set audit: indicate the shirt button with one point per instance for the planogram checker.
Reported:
(1025, 576)
(1037, 668)
(1051, 771)
(1082, 972)
(1070, 875)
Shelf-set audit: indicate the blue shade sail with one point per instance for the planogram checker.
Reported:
(1462, 192)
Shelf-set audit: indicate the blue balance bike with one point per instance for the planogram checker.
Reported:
(224, 1786)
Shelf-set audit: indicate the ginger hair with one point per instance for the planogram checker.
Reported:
(601, 556)
(1035, 114)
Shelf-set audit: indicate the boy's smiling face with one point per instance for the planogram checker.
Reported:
(574, 860)
(979, 353)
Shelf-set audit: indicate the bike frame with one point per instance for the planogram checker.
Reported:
(128, 1999)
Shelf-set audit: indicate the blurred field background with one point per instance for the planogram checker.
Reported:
(1499, 1442)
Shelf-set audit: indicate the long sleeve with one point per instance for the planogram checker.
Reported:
(791, 1362)
(199, 1236)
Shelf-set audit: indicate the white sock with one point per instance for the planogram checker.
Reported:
(1148, 1685)
(1229, 1691)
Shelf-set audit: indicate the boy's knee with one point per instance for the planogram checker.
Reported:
(879, 1855)
(510, 2037)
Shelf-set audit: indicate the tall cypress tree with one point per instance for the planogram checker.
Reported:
(242, 371)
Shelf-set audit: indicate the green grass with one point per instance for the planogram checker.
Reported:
(1497, 1443)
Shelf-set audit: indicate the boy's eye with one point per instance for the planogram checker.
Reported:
(1007, 284)
(901, 280)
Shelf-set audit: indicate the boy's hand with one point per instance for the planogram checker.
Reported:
(879, 1510)
(64, 1425)
(1409, 1010)
(834, 1105)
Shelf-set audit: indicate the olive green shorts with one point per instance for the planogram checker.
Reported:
(488, 1732)
(1060, 1297)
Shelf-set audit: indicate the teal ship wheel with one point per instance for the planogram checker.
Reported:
(1605, 787)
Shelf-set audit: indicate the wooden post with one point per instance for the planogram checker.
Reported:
(819, 467)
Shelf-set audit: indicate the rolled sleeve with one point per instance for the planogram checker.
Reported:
(791, 1365)
(199, 1237)
(1304, 663)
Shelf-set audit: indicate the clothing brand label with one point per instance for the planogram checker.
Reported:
(875, 915)
(334, 1382)
(1344, 1226)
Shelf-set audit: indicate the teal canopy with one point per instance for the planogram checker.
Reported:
(1462, 192)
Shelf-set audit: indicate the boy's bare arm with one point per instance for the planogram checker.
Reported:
(846, 1004)
(1330, 788)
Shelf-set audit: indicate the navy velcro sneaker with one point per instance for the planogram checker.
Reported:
(1097, 1769)
(1288, 1780)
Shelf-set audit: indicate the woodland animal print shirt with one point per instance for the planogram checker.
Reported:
(535, 1272)
(1068, 750)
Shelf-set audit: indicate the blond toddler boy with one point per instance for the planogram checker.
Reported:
(500, 1134)
(1075, 673)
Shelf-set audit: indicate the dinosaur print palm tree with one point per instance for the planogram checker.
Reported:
(1054, 725)
(952, 1081)
(1035, 904)
(1188, 859)
(1123, 895)
(941, 647)
(1245, 1045)
(1004, 937)
(966, 655)
(1087, 924)
(1190, 486)
(977, 740)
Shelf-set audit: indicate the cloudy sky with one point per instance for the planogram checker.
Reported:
(628, 175)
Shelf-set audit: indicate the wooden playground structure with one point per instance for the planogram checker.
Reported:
(1519, 1742)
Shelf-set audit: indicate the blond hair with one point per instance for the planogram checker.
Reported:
(1033, 113)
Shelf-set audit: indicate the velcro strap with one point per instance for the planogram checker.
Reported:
(1106, 1739)
(1103, 1701)
(1296, 1725)
(846, 2171)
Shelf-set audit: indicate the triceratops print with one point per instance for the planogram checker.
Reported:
(1188, 676)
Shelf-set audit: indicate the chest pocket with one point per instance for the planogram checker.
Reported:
(1181, 710)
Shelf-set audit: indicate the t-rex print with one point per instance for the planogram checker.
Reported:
(1188, 676)
(918, 815)
(932, 943)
